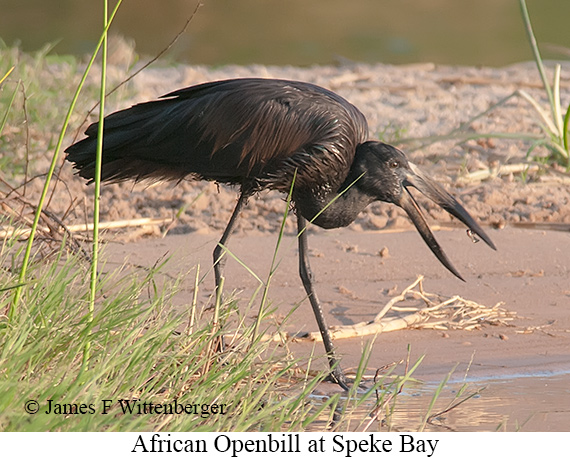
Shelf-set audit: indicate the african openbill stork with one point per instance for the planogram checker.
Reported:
(261, 134)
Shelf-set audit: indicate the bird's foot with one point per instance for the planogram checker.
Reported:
(338, 377)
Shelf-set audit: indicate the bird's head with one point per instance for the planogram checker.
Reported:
(385, 174)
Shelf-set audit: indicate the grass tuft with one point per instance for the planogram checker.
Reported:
(142, 350)
(553, 121)
(555, 125)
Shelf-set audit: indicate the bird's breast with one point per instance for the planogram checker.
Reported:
(323, 207)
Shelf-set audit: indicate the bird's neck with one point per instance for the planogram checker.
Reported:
(329, 209)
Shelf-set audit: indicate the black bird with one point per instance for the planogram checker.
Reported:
(261, 134)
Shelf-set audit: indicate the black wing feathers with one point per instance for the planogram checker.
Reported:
(244, 131)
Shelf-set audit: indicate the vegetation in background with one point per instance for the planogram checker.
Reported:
(555, 125)
(553, 121)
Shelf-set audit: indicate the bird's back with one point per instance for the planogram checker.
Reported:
(253, 132)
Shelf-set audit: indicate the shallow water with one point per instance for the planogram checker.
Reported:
(538, 402)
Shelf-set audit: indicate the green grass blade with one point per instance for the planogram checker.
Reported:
(565, 136)
(241, 262)
(434, 398)
(54, 161)
(97, 191)
(9, 107)
(6, 75)
(548, 127)
(556, 109)
(339, 195)
(535, 51)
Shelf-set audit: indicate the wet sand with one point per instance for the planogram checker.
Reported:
(525, 366)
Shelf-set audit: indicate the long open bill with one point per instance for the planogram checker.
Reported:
(441, 197)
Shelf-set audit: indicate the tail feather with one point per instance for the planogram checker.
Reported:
(138, 143)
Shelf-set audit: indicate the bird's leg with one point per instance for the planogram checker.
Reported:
(219, 260)
(337, 374)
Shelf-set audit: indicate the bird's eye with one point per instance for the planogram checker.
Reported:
(394, 164)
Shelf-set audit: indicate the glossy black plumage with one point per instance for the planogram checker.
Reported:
(258, 134)
(251, 132)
